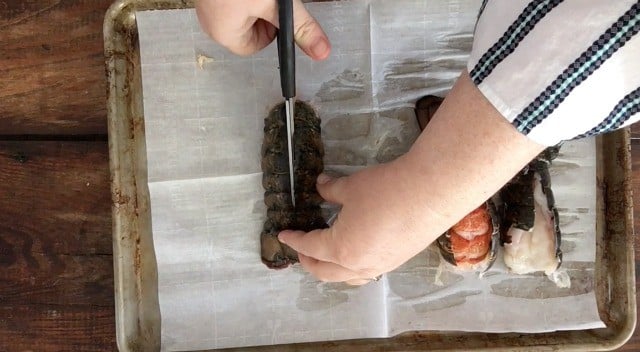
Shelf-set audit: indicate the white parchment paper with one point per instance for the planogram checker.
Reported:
(204, 110)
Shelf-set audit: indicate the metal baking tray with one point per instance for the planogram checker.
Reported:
(136, 294)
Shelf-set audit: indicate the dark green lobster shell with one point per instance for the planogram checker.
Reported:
(517, 198)
(308, 151)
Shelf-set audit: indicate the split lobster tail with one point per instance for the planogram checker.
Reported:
(530, 230)
(471, 244)
(281, 214)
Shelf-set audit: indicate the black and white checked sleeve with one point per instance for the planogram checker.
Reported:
(559, 70)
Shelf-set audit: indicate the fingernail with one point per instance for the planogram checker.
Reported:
(323, 178)
(319, 49)
(280, 236)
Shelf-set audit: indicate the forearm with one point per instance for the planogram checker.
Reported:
(466, 153)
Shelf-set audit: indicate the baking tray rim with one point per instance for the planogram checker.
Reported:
(135, 274)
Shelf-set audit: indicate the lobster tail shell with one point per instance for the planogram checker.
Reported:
(527, 212)
(309, 152)
(479, 252)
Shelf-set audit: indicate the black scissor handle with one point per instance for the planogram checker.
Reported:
(286, 49)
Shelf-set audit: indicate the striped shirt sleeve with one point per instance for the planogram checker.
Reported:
(559, 70)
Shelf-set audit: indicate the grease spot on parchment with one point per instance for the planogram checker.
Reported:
(316, 295)
(413, 74)
(452, 63)
(259, 207)
(567, 219)
(445, 302)
(347, 85)
(405, 68)
(578, 265)
(338, 155)
(459, 41)
(559, 167)
(421, 269)
(574, 210)
(392, 145)
(538, 286)
(575, 234)
(390, 149)
(567, 246)
(404, 285)
(347, 126)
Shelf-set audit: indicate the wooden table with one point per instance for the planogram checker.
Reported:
(56, 271)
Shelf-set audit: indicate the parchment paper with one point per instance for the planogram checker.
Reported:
(204, 110)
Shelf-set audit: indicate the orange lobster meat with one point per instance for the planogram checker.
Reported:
(468, 244)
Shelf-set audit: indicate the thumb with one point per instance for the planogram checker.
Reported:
(331, 189)
(317, 244)
(308, 34)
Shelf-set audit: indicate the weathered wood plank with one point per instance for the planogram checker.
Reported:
(55, 196)
(52, 69)
(56, 268)
(46, 278)
(43, 328)
(635, 131)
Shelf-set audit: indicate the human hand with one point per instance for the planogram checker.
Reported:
(393, 211)
(378, 228)
(247, 26)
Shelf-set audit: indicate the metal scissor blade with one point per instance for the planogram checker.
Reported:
(290, 111)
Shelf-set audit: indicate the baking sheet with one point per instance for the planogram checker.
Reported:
(203, 121)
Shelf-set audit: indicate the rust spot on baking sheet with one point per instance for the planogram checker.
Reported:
(120, 198)
(137, 260)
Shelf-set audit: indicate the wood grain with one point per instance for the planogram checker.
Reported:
(635, 131)
(56, 194)
(56, 268)
(31, 327)
(52, 73)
